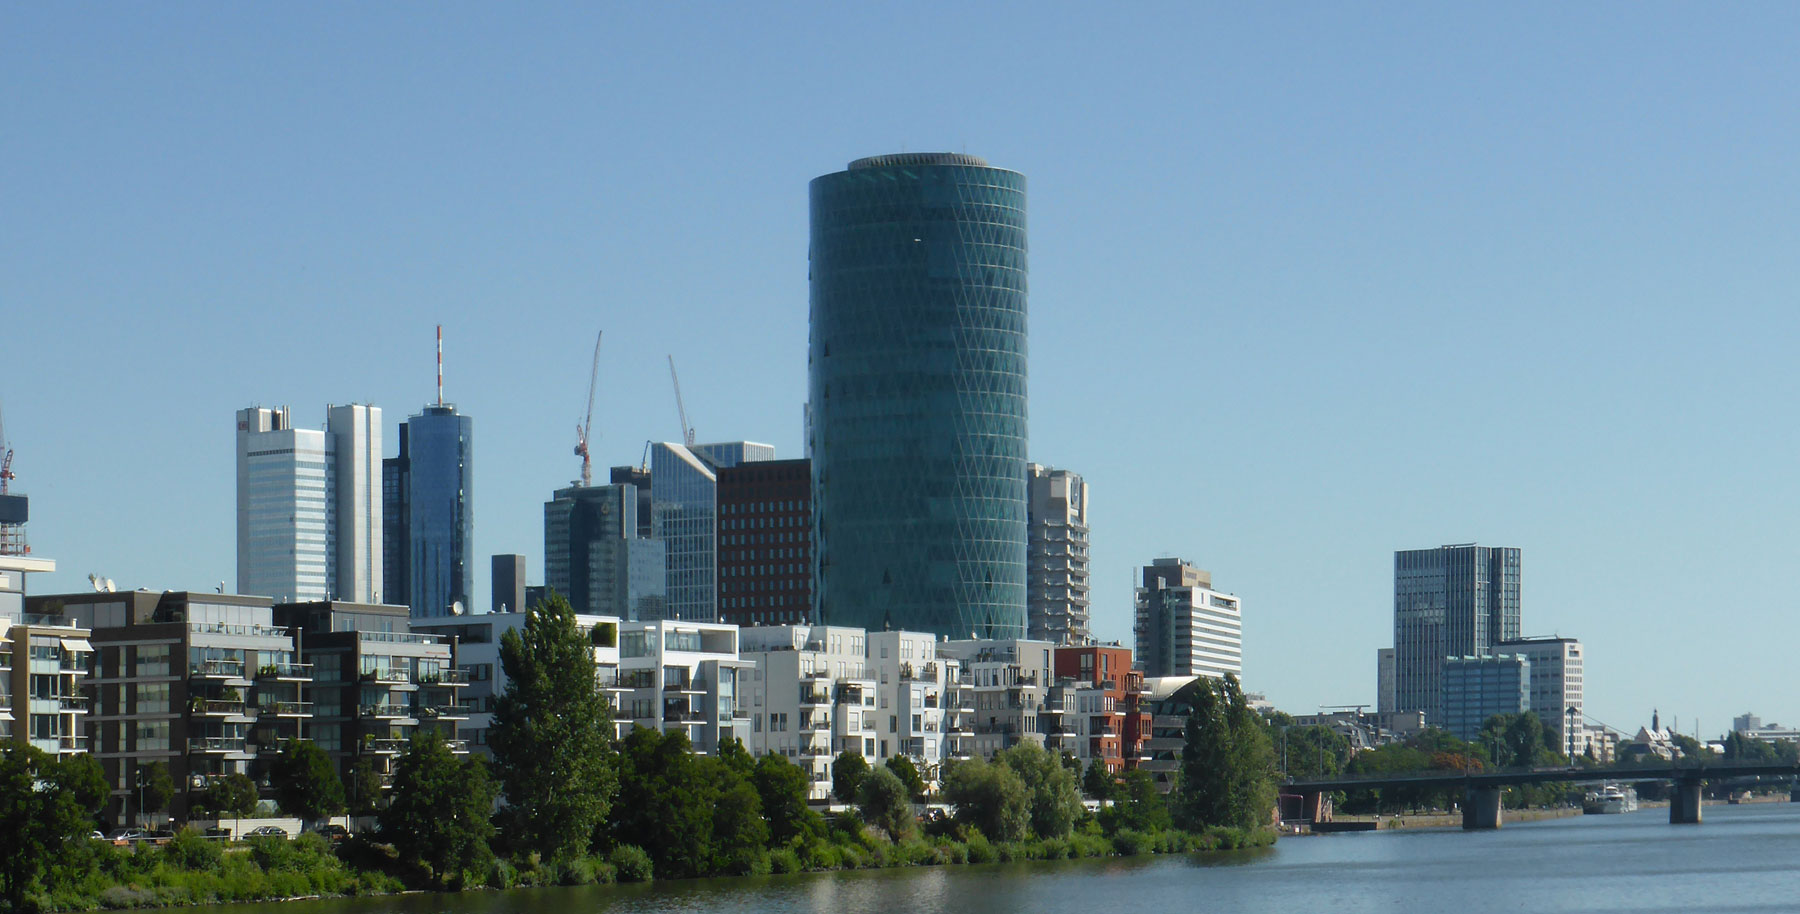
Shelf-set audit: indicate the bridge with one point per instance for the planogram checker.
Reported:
(1482, 789)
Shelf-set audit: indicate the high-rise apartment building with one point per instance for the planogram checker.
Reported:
(309, 505)
(1452, 601)
(1183, 626)
(1057, 562)
(595, 558)
(684, 484)
(917, 395)
(428, 513)
(765, 543)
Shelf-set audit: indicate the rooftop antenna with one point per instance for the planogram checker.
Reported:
(440, 334)
(581, 431)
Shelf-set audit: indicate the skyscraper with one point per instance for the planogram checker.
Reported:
(1183, 626)
(595, 558)
(1057, 577)
(308, 505)
(917, 400)
(684, 492)
(1450, 601)
(765, 543)
(427, 504)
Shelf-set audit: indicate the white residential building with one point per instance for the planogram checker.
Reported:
(919, 713)
(687, 676)
(1184, 627)
(812, 696)
(1056, 563)
(309, 505)
(477, 640)
(45, 661)
(1556, 686)
(1008, 680)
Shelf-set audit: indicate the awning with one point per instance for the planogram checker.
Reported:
(77, 645)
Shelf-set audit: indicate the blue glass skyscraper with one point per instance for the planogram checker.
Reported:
(684, 486)
(428, 523)
(917, 425)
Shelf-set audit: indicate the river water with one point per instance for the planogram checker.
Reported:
(1743, 859)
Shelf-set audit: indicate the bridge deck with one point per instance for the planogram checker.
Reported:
(1503, 777)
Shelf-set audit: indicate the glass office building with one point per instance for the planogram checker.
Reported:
(308, 506)
(684, 487)
(594, 557)
(429, 521)
(1452, 601)
(917, 409)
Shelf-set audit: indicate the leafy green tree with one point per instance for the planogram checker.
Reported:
(1311, 752)
(671, 813)
(739, 831)
(783, 786)
(847, 772)
(155, 788)
(990, 797)
(438, 816)
(1137, 805)
(908, 773)
(552, 735)
(885, 803)
(233, 795)
(44, 803)
(306, 783)
(1055, 801)
(362, 787)
(1227, 764)
(1098, 783)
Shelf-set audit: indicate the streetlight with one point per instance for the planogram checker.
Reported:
(1571, 729)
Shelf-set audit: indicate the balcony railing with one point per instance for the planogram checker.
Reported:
(216, 744)
(299, 671)
(290, 708)
(385, 711)
(220, 708)
(445, 712)
(388, 674)
(217, 669)
(445, 678)
(385, 745)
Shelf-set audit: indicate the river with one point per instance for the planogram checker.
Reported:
(1743, 859)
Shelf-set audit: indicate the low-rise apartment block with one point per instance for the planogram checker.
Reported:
(687, 677)
(477, 639)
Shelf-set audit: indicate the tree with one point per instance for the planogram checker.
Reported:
(437, 818)
(1227, 763)
(44, 802)
(782, 787)
(1312, 752)
(847, 772)
(1137, 805)
(739, 831)
(306, 783)
(884, 802)
(908, 773)
(1055, 802)
(990, 797)
(1097, 783)
(671, 814)
(232, 795)
(155, 788)
(552, 734)
(362, 787)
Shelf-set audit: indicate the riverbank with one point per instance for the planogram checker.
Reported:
(1454, 819)
(191, 871)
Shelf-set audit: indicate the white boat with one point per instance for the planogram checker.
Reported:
(1610, 798)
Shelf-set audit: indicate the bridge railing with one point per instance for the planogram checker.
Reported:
(1650, 770)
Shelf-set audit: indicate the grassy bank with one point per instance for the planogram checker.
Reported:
(191, 870)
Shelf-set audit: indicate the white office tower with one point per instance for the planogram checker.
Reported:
(309, 505)
(1184, 627)
(1056, 575)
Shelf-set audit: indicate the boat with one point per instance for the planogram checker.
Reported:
(1608, 799)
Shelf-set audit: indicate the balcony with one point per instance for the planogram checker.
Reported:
(66, 744)
(289, 709)
(385, 712)
(214, 707)
(452, 678)
(385, 745)
(446, 712)
(686, 686)
(218, 669)
(927, 673)
(814, 697)
(285, 672)
(394, 675)
(218, 744)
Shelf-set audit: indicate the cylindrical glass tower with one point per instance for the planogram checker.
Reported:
(917, 421)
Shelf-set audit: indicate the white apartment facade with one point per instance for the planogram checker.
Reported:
(45, 661)
(1007, 682)
(477, 639)
(1557, 685)
(1056, 563)
(812, 696)
(684, 676)
(1183, 626)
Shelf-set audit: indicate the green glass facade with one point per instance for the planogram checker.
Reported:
(917, 412)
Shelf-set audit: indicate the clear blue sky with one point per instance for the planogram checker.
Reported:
(1309, 283)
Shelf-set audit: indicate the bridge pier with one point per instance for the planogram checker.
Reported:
(1481, 808)
(1315, 806)
(1684, 803)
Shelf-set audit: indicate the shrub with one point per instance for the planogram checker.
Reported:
(784, 860)
(979, 848)
(189, 850)
(632, 863)
(1129, 843)
(952, 851)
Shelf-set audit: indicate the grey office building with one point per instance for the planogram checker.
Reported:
(917, 395)
(594, 557)
(1452, 601)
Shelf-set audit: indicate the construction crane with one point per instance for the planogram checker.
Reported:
(687, 431)
(6, 472)
(581, 431)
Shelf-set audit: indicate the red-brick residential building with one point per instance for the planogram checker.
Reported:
(1117, 731)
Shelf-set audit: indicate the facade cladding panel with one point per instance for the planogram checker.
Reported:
(684, 482)
(917, 407)
(765, 543)
(1452, 601)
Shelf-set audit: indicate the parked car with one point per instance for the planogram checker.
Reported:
(97, 835)
(267, 831)
(332, 831)
(125, 835)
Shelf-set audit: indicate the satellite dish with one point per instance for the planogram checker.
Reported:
(94, 580)
(456, 608)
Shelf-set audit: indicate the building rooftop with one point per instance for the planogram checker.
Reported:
(918, 158)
